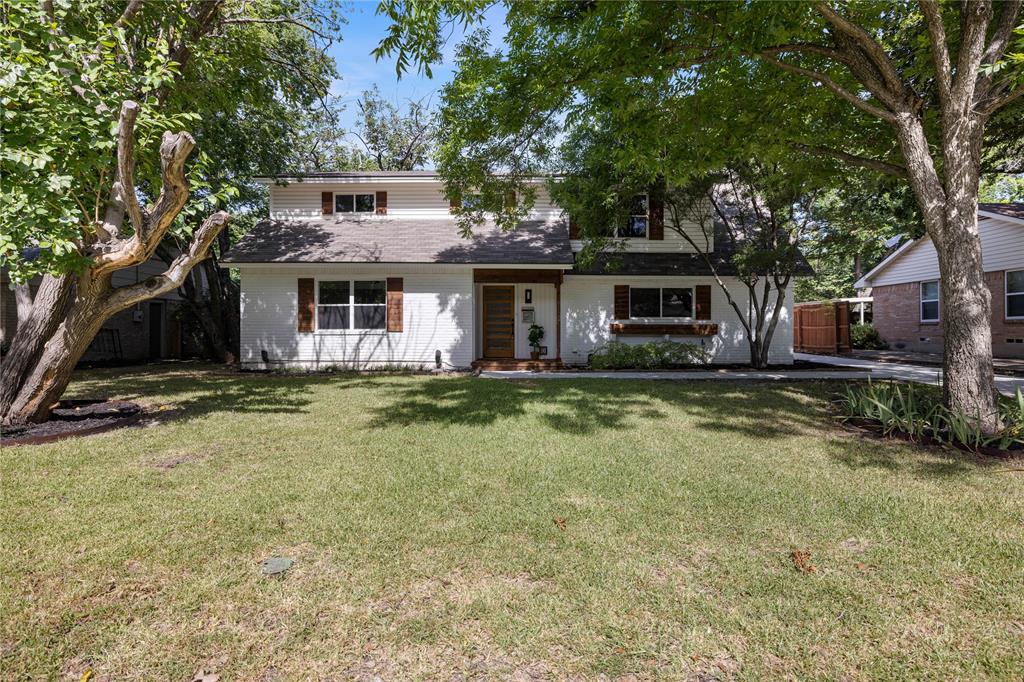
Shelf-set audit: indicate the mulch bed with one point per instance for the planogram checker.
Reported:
(74, 418)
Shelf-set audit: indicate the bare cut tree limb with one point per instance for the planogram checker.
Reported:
(827, 82)
(940, 52)
(173, 277)
(875, 52)
(854, 159)
(122, 193)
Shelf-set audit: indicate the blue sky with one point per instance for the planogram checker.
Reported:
(359, 71)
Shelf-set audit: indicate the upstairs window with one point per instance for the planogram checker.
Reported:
(636, 223)
(1015, 295)
(355, 203)
(351, 304)
(660, 302)
(930, 301)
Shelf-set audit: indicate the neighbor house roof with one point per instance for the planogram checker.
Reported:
(401, 241)
(1011, 213)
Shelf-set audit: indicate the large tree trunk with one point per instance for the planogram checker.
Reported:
(950, 211)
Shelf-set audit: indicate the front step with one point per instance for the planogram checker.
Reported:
(511, 365)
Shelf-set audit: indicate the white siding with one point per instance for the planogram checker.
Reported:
(673, 242)
(588, 310)
(437, 315)
(1002, 248)
(423, 199)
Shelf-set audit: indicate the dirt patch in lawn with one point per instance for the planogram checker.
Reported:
(74, 418)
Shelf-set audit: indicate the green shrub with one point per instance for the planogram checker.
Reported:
(918, 412)
(865, 337)
(652, 355)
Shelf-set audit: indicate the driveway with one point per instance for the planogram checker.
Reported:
(1007, 385)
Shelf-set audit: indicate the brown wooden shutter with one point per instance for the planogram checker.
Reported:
(656, 228)
(574, 229)
(395, 295)
(382, 203)
(327, 203)
(307, 304)
(621, 301)
(454, 204)
(703, 303)
(510, 198)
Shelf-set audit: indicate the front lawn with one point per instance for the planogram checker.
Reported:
(460, 526)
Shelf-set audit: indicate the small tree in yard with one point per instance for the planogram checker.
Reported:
(91, 91)
(760, 212)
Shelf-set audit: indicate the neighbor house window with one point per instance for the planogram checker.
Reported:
(930, 301)
(660, 302)
(1015, 295)
(351, 304)
(636, 223)
(355, 203)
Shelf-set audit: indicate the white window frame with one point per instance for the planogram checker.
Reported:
(372, 211)
(351, 305)
(661, 304)
(645, 216)
(1007, 294)
(921, 300)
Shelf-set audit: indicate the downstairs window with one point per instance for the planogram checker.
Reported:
(359, 305)
(660, 302)
(930, 301)
(1015, 295)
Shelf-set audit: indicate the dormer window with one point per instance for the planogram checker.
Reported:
(639, 217)
(355, 203)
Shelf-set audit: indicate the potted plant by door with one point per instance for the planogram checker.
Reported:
(536, 336)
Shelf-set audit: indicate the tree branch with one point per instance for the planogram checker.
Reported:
(278, 20)
(940, 52)
(871, 48)
(854, 159)
(974, 19)
(834, 87)
(1004, 30)
(172, 278)
(122, 193)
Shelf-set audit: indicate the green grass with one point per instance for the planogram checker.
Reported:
(421, 515)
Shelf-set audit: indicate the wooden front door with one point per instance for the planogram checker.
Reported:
(499, 321)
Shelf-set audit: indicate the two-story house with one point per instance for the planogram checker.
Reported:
(370, 269)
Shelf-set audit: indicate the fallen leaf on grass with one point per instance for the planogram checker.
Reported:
(560, 522)
(86, 675)
(802, 561)
(204, 676)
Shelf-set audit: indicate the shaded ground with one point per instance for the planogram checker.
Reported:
(458, 527)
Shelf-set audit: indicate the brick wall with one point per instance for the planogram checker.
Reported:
(897, 318)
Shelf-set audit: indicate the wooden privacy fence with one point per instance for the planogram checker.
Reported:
(821, 327)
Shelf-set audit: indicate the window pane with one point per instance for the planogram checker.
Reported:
(1015, 305)
(644, 302)
(370, 316)
(930, 310)
(333, 293)
(635, 227)
(929, 291)
(371, 292)
(364, 203)
(638, 205)
(677, 303)
(343, 203)
(1015, 282)
(332, 317)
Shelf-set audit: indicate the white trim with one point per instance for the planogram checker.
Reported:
(865, 280)
(397, 265)
(1007, 294)
(921, 300)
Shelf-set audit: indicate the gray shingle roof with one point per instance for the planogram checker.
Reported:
(383, 240)
(1008, 210)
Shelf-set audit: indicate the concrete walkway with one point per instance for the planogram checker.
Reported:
(713, 375)
(1007, 385)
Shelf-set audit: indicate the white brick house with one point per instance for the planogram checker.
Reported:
(369, 269)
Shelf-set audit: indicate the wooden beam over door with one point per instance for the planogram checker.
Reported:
(517, 276)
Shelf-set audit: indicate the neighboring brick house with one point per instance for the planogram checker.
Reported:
(905, 286)
(148, 331)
